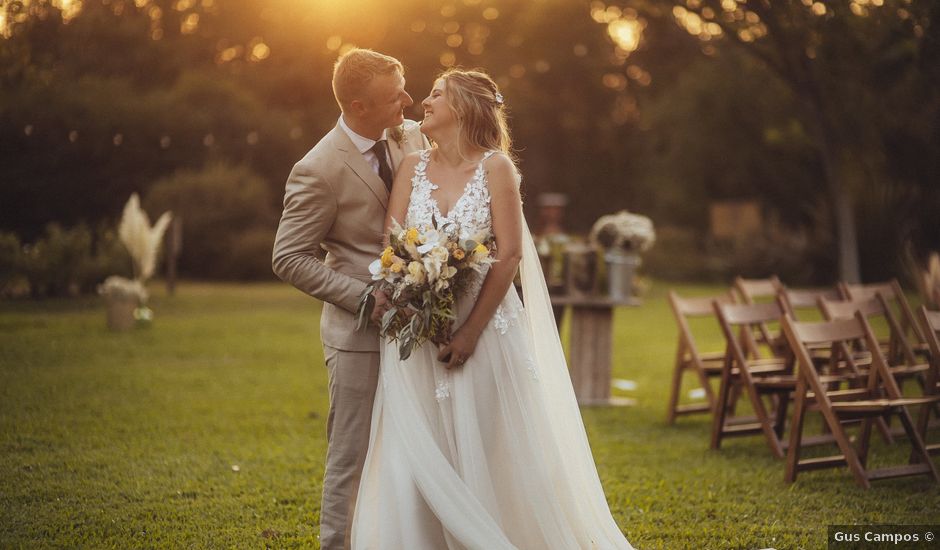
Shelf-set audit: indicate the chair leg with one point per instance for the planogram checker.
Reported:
(796, 433)
(760, 411)
(676, 384)
(848, 451)
(884, 430)
(917, 444)
(734, 396)
(780, 418)
(706, 385)
(720, 410)
(864, 442)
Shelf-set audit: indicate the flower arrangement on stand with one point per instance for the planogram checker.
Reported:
(622, 236)
(127, 299)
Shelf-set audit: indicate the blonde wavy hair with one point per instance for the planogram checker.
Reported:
(355, 69)
(478, 106)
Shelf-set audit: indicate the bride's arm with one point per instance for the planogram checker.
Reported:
(401, 193)
(506, 209)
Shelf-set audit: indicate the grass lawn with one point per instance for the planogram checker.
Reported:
(208, 431)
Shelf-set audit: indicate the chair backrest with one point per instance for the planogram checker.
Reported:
(685, 308)
(845, 309)
(899, 347)
(750, 289)
(852, 291)
(748, 319)
(792, 299)
(838, 335)
(892, 292)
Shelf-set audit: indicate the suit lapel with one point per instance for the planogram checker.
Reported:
(357, 163)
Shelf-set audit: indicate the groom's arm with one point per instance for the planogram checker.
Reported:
(309, 212)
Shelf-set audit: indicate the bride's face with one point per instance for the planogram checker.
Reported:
(438, 116)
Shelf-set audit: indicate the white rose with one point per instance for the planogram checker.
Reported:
(416, 275)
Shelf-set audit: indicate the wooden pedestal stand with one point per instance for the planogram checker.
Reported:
(590, 347)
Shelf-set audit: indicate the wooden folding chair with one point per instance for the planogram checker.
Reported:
(930, 323)
(880, 398)
(750, 291)
(756, 376)
(705, 365)
(892, 292)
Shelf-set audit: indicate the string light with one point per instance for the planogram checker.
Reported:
(251, 138)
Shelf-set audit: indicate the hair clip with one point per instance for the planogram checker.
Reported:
(499, 98)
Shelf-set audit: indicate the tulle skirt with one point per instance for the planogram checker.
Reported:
(468, 458)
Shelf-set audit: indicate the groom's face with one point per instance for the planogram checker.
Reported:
(387, 100)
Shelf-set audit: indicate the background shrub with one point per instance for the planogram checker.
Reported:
(228, 221)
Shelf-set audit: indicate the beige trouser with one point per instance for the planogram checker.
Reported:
(353, 379)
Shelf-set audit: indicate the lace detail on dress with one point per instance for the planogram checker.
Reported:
(469, 216)
(504, 318)
(530, 366)
(442, 391)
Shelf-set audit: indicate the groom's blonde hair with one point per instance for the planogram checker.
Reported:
(355, 69)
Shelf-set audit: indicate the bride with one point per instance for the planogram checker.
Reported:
(478, 444)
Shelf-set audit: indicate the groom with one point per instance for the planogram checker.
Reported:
(335, 201)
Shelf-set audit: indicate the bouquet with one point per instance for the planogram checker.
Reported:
(423, 270)
(624, 231)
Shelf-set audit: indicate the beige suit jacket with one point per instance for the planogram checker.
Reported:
(335, 202)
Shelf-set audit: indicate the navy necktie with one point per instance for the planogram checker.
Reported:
(385, 172)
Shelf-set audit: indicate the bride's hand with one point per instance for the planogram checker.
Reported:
(460, 347)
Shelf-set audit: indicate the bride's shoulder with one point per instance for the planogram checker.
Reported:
(411, 160)
(500, 170)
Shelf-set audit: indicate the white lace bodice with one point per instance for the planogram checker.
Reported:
(470, 215)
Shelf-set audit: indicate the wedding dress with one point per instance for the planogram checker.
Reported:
(491, 455)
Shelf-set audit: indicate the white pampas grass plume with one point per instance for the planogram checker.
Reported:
(141, 240)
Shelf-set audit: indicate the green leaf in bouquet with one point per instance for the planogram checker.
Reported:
(405, 348)
(414, 326)
(388, 318)
(366, 306)
(469, 244)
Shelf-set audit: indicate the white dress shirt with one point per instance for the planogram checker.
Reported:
(364, 145)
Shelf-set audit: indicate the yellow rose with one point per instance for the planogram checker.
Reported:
(411, 237)
(397, 267)
(459, 253)
(481, 250)
(387, 256)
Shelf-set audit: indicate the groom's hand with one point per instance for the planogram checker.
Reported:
(381, 306)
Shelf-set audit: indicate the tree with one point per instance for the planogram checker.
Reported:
(828, 55)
